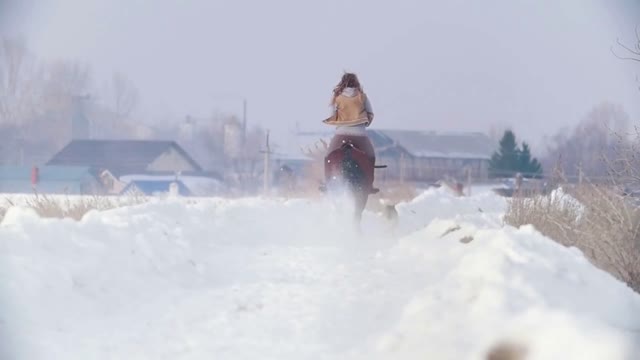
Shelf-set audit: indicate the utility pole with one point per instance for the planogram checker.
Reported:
(267, 159)
(402, 167)
(468, 180)
(580, 174)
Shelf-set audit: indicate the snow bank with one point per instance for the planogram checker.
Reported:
(514, 285)
(276, 279)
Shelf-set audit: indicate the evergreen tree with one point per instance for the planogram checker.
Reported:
(530, 167)
(510, 159)
(505, 161)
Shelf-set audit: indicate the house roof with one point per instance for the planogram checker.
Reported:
(149, 187)
(460, 145)
(456, 145)
(118, 156)
(213, 175)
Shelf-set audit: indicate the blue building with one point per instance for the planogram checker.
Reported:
(76, 180)
(154, 187)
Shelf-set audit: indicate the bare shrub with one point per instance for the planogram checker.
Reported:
(554, 215)
(597, 219)
(73, 208)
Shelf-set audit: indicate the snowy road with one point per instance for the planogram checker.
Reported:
(269, 279)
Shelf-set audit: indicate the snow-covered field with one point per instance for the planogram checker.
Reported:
(276, 279)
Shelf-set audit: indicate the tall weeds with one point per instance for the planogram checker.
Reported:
(48, 206)
(599, 220)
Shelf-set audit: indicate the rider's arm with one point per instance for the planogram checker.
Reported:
(333, 108)
(368, 109)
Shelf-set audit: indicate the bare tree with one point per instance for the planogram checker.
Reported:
(125, 96)
(19, 81)
(20, 96)
(38, 100)
(247, 170)
(66, 79)
(66, 82)
(586, 147)
(629, 52)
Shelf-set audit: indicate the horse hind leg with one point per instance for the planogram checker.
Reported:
(360, 204)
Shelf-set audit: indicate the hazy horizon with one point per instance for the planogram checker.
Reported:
(429, 65)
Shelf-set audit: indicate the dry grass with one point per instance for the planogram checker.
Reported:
(596, 219)
(73, 208)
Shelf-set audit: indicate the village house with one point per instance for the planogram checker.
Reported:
(118, 162)
(412, 156)
(427, 156)
(124, 157)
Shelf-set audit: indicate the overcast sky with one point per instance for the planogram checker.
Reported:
(426, 64)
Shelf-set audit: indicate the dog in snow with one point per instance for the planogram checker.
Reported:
(390, 214)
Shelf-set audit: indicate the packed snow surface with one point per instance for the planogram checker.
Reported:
(291, 279)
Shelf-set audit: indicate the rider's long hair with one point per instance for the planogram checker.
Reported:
(349, 80)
